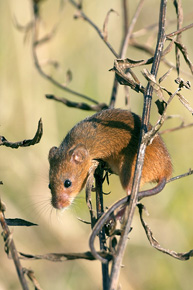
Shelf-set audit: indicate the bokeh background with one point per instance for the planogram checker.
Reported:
(24, 171)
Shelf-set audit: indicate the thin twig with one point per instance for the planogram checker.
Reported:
(82, 106)
(10, 246)
(149, 50)
(100, 210)
(62, 257)
(190, 172)
(184, 52)
(124, 47)
(32, 277)
(154, 243)
(141, 153)
(35, 43)
(179, 30)
(82, 15)
(151, 133)
(125, 17)
(179, 12)
(182, 126)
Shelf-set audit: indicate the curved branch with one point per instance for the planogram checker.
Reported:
(36, 139)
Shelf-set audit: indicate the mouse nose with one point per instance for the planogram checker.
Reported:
(61, 201)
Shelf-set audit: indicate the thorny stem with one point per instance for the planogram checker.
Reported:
(141, 152)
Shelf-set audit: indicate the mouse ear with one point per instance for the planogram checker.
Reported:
(79, 154)
(52, 153)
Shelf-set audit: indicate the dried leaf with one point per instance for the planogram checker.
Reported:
(68, 76)
(168, 48)
(2, 206)
(162, 78)
(149, 76)
(19, 222)
(157, 88)
(130, 63)
(161, 105)
(184, 51)
(182, 83)
(123, 78)
(32, 277)
(185, 103)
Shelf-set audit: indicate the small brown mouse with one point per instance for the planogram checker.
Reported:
(111, 135)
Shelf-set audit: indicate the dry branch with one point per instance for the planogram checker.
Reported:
(182, 126)
(109, 216)
(128, 29)
(61, 257)
(154, 243)
(190, 172)
(80, 14)
(33, 27)
(29, 142)
(141, 152)
(184, 52)
(32, 277)
(82, 106)
(124, 75)
(10, 247)
(127, 36)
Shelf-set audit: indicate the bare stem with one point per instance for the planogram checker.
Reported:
(141, 152)
(10, 246)
(182, 126)
(180, 30)
(123, 49)
(130, 30)
(100, 33)
(35, 43)
(100, 210)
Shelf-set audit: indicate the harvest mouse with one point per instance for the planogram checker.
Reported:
(111, 135)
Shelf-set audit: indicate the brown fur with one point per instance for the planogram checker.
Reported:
(112, 136)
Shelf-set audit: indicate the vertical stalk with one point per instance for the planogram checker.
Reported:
(100, 210)
(9, 243)
(141, 153)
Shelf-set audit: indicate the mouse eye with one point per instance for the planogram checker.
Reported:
(67, 183)
(49, 186)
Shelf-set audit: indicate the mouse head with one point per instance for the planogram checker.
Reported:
(68, 173)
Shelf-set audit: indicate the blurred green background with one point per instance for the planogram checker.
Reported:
(24, 171)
